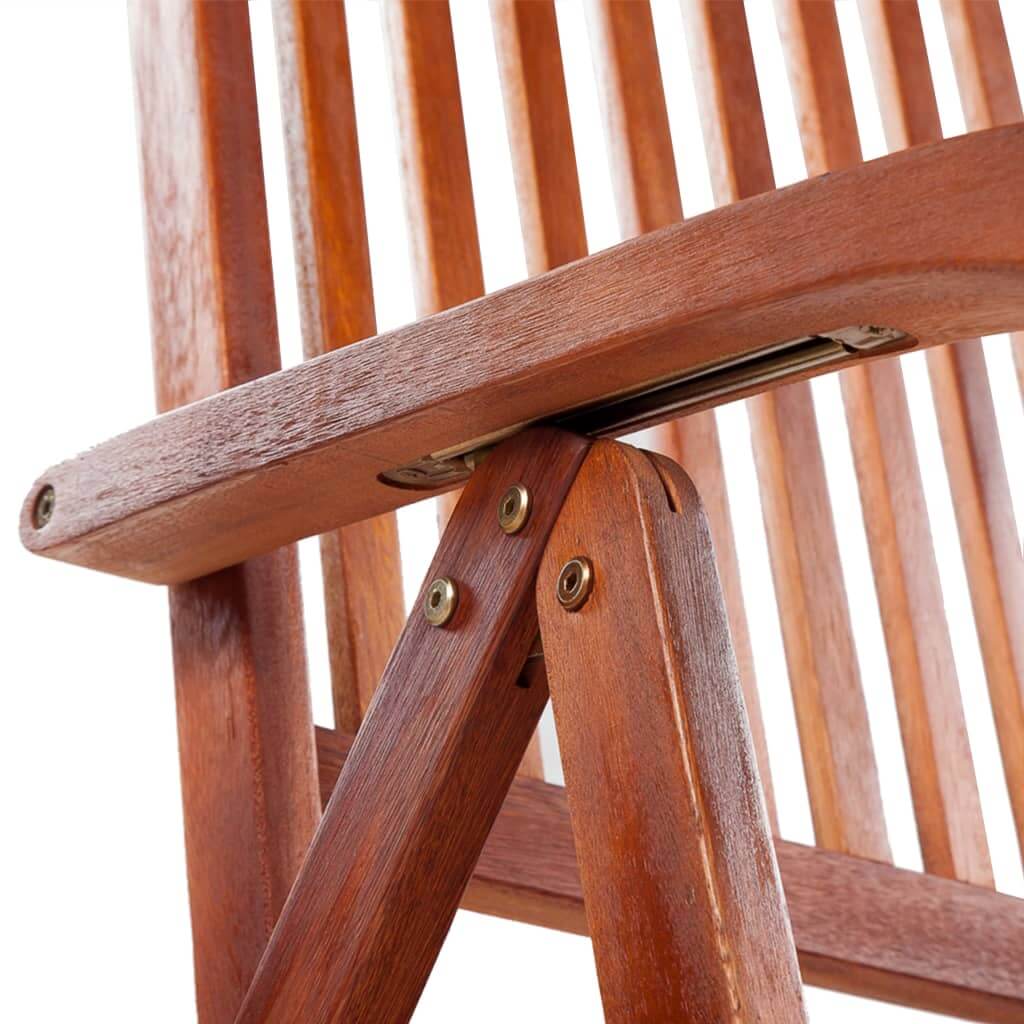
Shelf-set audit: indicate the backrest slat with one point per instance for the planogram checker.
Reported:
(928, 701)
(447, 269)
(963, 397)
(647, 198)
(361, 563)
(842, 778)
(989, 94)
(248, 765)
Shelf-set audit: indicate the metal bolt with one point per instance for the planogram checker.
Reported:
(514, 509)
(575, 582)
(42, 512)
(441, 601)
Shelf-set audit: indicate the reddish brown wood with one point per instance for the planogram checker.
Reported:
(938, 755)
(244, 472)
(647, 197)
(860, 926)
(244, 727)
(988, 85)
(842, 779)
(361, 563)
(428, 770)
(681, 887)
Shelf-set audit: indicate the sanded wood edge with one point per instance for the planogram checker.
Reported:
(860, 926)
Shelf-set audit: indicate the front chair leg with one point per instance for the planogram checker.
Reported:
(680, 883)
(429, 768)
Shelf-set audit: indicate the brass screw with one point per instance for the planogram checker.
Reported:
(575, 582)
(441, 601)
(42, 512)
(514, 509)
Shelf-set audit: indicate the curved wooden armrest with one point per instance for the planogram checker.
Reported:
(926, 242)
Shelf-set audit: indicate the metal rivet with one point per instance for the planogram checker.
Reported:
(575, 582)
(42, 511)
(441, 601)
(514, 509)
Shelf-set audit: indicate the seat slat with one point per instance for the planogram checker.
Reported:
(361, 562)
(248, 768)
(963, 398)
(842, 778)
(647, 198)
(243, 472)
(938, 756)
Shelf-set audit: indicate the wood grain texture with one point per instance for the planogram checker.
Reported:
(938, 755)
(680, 883)
(987, 83)
(242, 472)
(839, 761)
(860, 926)
(647, 198)
(244, 725)
(428, 770)
(361, 563)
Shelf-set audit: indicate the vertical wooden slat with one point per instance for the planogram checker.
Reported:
(647, 198)
(447, 270)
(361, 563)
(988, 86)
(963, 399)
(680, 884)
(842, 778)
(928, 701)
(248, 766)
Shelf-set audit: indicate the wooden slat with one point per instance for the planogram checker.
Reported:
(428, 771)
(647, 198)
(245, 732)
(842, 779)
(860, 926)
(660, 771)
(924, 240)
(963, 400)
(447, 269)
(361, 562)
(938, 756)
(988, 85)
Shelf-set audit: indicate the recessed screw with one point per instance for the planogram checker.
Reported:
(441, 601)
(514, 509)
(575, 582)
(42, 512)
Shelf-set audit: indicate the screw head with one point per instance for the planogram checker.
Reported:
(441, 600)
(42, 511)
(514, 509)
(575, 582)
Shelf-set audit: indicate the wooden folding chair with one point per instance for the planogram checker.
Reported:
(669, 862)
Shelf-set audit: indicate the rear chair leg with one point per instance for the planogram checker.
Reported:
(679, 876)
(429, 768)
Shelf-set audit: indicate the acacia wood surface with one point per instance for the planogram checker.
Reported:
(680, 883)
(987, 83)
(647, 198)
(428, 770)
(248, 769)
(824, 675)
(242, 472)
(361, 562)
(938, 755)
(859, 925)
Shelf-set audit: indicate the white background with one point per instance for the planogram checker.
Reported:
(95, 918)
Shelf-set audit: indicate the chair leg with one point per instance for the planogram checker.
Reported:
(680, 882)
(428, 771)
